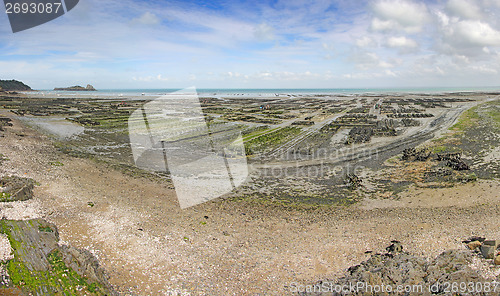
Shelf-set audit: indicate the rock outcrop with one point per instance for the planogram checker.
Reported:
(16, 188)
(402, 269)
(43, 267)
(76, 88)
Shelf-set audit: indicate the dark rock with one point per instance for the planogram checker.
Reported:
(359, 135)
(410, 270)
(4, 121)
(493, 243)
(458, 165)
(36, 243)
(16, 188)
(474, 238)
(414, 154)
(488, 251)
(395, 247)
(438, 172)
(76, 88)
(448, 156)
(352, 181)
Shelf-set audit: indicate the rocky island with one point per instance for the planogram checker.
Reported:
(76, 88)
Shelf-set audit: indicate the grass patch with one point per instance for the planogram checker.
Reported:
(472, 177)
(45, 229)
(5, 197)
(270, 140)
(58, 278)
(439, 149)
(56, 163)
(468, 119)
(257, 132)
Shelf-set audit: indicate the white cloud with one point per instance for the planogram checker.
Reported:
(370, 75)
(464, 8)
(402, 42)
(150, 78)
(476, 33)
(397, 15)
(160, 78)
(148, 19)
(484, 69)
(468, 37)
(369, 60)
(264, 32)
(366, 41)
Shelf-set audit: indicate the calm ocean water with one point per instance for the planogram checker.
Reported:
(272, 92)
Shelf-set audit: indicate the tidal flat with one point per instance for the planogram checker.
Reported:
(301, 216)
(300, 148)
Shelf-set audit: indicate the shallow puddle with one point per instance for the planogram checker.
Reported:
(55, 125)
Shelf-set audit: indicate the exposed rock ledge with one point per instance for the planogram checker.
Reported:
(40, 266)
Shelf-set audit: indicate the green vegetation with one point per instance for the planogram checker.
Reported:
(269, 140)
(4, 197)
(472, 177)
(67, 277)
(257, 133)
(56, 163)
(112, 120)
(468, 119)
(216, 110)
(14, 85)
(45, 229)
(439, 149)
(58, 278)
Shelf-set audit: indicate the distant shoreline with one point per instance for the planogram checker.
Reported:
(267, 93)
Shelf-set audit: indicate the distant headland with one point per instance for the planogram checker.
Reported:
(76, 88)
(13, 85)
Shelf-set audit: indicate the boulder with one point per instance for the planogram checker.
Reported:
(395, 247)
(488, 251)
(474, 245)
(15, 188)
(497, 260)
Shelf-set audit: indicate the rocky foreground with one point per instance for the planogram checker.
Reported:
(38, 265)
(469, 271)
(32, 262)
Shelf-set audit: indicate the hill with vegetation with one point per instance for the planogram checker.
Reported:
(13, 85)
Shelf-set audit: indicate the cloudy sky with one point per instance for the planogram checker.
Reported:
(260, 44)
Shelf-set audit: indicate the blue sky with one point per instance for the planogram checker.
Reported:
(260, 44)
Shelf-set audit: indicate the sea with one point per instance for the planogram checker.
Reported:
(266, 92)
